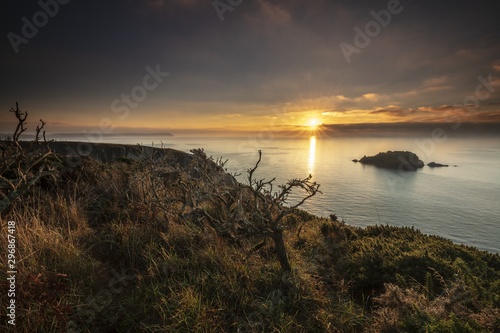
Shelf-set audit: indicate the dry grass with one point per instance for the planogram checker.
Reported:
(108, 249)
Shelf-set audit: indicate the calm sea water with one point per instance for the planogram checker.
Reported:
(460, 203)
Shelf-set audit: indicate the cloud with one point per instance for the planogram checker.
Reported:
(268, 15)
(165, 3)
(496, 65)
(495, 82)
(450, 113)
(371, 97)
(226, 115)
(341, 98)
(396, 112)
(417, 129)
(358, 100)
(442, 108)
(274, 13)
(434, 82)
(485, 117)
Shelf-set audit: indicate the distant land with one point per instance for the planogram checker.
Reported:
(114, 134)
(80, 134)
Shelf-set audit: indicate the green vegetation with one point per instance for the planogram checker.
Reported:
(149, 245)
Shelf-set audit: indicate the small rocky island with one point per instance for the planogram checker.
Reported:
(436, 165)
(401, 160)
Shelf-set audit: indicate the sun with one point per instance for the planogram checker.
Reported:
(313, 123)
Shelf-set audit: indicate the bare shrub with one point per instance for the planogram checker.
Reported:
(253, 210)
(23, 164)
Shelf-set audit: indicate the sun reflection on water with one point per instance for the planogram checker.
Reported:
(312, 154)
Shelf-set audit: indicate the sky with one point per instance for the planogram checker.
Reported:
(235, 66)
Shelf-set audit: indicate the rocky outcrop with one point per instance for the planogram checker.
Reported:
(401, 160)
(436, 165)
(108, 152)
(72, 153)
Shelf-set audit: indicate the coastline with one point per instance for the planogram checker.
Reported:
(123, 221)
(110, 152)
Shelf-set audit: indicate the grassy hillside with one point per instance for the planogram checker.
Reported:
(137, 245)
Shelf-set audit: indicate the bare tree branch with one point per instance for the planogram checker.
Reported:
(23, 165)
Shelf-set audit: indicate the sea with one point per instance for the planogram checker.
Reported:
(460, 202)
